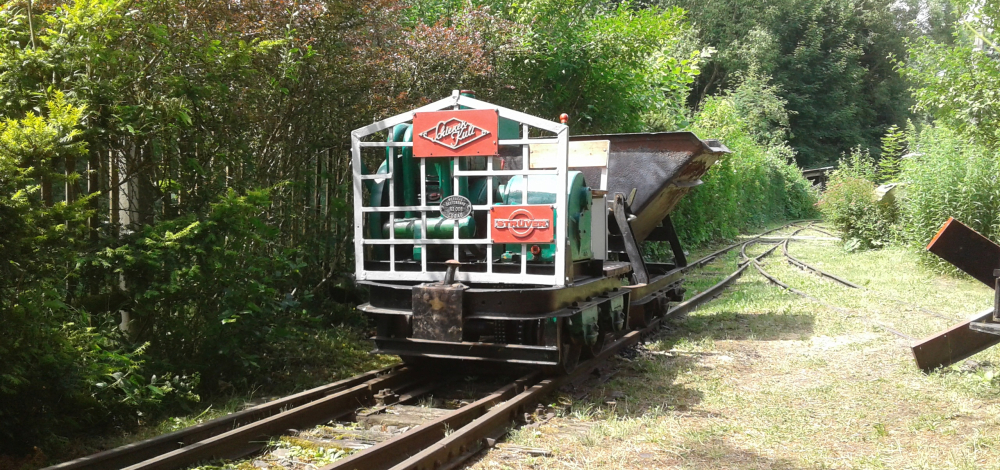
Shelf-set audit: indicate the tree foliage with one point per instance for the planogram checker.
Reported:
(758, 183)
(957, 78)
(829, 59)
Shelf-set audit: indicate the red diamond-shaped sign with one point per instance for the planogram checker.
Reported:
(455, 133)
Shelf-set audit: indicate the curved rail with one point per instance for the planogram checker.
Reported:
(217, 436)
(755, 261)
(819, 272)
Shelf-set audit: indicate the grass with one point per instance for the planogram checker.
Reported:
(761, 378)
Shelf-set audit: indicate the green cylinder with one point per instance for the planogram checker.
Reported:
(437, 228)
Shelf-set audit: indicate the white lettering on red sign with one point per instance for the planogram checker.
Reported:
(454, 133)
(521, 224)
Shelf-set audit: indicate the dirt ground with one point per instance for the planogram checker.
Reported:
(761, 378)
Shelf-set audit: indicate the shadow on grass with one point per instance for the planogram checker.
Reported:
(716, 453)
(647, 382)
(728, 325)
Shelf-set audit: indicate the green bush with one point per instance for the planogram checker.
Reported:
(850, 204)
(210, 294)
(946, 175)
(614, 67)
(58, 373)
(757, 183)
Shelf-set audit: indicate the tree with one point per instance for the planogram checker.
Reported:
(830, 59)
(957, 78)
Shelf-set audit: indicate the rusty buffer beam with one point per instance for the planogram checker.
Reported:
(977, 256)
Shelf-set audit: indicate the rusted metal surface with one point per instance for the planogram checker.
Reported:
(819, 272)
(437, 312)
(818, 176)
(706, 295)
(639, 274)
(661, 167)
(799, 264)
(130, 454)
(978, 257)
(969, 251)
(511, 302)
(666, 232)
(954, 344)
(469, 351)
(395, 450)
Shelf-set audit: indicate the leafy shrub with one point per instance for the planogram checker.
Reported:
(58, 372)
(758, 182)
(612, 67)
(946, 175)
(210, 294)
(850, 204)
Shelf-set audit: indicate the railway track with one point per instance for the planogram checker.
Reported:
(444, 440)
(783, 243)
(443, 436)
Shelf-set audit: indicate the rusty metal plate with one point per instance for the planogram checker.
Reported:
(969, 251)
(522, 224)
(954, 344)
(437, 312)
(661, 167)
(456, 133)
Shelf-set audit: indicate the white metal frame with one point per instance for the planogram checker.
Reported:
(456, 100)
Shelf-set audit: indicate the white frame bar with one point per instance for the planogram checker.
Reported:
(455, 101)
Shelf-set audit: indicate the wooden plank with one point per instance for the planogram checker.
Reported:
(404, 416)
(969, 251)
(954, 344)
(585, 154)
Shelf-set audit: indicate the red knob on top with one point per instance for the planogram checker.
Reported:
(564, 118)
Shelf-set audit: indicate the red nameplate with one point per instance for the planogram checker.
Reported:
(457, 133)
(522, 224)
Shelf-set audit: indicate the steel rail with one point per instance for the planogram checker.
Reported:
(799, 264)
(712, 256)
(819, 272)
(845, 312)
(755, 261)
(137, 452)
(435, 450)
(465, 442)
(388, 453)
(715, 290)
(812, 227)
(250, 437)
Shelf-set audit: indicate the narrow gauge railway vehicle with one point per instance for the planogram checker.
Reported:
(486, 234)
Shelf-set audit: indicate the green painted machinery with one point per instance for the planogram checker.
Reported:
(441, 184)
(540, 191)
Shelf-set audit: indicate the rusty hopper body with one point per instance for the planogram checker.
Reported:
(661, 167)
